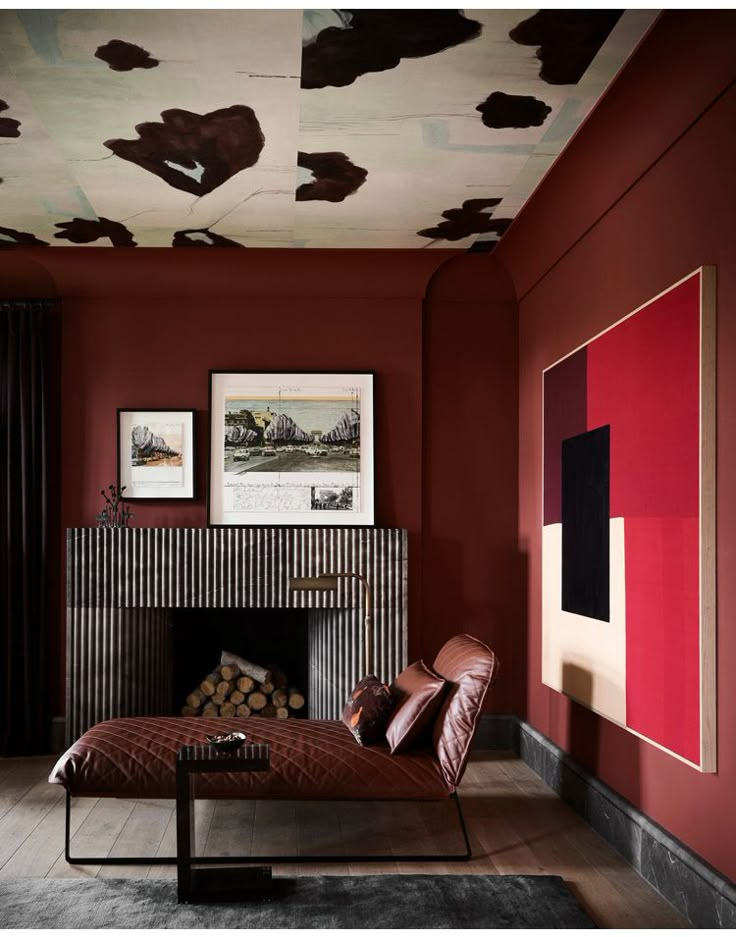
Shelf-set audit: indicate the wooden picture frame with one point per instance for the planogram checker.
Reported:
(291, 448)
(629, 508)
(157, 453)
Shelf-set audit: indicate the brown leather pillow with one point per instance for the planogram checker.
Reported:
(368, 709)
(419, 693)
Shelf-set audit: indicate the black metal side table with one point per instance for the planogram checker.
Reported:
(197, 884)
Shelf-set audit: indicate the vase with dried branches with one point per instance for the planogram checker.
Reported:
(115, 512)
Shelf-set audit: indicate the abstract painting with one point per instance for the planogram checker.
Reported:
(628, 541)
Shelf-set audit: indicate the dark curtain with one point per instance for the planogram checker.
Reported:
(25, 718)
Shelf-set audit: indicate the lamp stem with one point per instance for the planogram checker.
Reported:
(367, 618)
(367, 625)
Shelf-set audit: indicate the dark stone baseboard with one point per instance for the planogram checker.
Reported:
(694, 887)
(498, 732)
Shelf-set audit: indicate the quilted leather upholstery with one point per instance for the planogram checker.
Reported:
(310, 759)
(469, 668)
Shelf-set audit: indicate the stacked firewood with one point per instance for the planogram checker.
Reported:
(240, 688)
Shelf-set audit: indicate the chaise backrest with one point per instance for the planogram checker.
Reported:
(469, 668)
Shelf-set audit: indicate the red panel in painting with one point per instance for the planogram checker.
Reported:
(662, 633)
(644, 379)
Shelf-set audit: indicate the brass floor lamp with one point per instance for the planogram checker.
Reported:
(327, 582)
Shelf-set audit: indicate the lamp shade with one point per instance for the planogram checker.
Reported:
(312, 583)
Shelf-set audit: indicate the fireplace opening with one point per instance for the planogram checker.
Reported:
(272, 638)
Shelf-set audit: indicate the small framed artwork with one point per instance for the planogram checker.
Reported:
(290, 448)
(157, 453)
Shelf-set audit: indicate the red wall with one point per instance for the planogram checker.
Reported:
(472, 578)
(643, 195)
(149, 350)
(142, 328)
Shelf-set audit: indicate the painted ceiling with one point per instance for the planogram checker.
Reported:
(290, 128)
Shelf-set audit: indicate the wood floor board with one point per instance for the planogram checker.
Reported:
(488, 817)
(510, 765)
(141, 835)
(612, 892)
(548, 839)
(18, 776)
(319, 833)
(13, 789)
(95, 837)
(62, 869)
(419, 831)
(366, 831)
(44, 847)
(36, 765)
(485, 781)
(203, 812)
(517, 825)
(19, 822)
(505, 850)
(275, 832)
(648, 910)
(231, 829)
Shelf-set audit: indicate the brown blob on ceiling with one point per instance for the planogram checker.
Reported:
(125, 56)
(513, 110)
(377, 40)
(84, 231)
(335, 177)
(195, 152)
(8, 127)
(202, 237)
(472, 218)
(568, 40)
(9, 238)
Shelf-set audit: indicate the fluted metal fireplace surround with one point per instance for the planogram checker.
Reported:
(122, 586)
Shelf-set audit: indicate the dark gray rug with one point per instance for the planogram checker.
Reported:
(371, 901)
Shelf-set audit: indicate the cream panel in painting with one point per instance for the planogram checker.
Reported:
(583, 657)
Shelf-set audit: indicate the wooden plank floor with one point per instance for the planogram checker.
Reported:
(516, 824)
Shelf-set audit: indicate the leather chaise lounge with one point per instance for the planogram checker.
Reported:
(310, 759)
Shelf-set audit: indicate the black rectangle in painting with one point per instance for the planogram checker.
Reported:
(585, 524)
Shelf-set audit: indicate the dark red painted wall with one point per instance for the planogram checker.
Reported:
(142, 328)
(643, 196)
(472, 578)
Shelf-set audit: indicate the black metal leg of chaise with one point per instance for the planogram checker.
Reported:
(205, 860)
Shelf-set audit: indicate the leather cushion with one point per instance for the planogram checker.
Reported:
(418, 693)
(310, 760)
(368, 710)
(469, 667)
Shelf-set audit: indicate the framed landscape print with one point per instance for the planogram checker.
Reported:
(291, 448)
(157, 453)
(628, 538)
